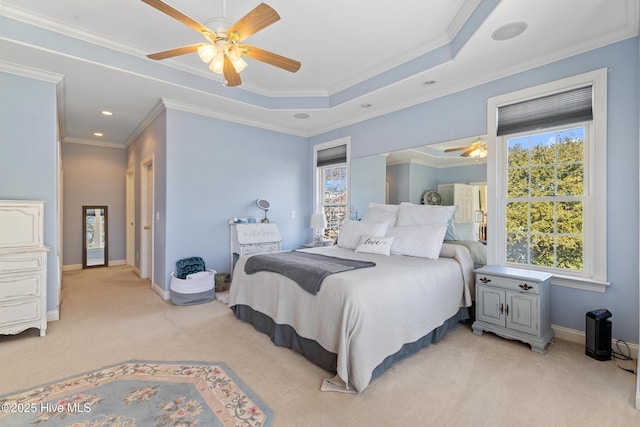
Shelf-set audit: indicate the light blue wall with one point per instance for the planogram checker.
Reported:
(93, 176)
(151, 143)
(28, 156)
(464, 114)
(368, 175)
(216, 170)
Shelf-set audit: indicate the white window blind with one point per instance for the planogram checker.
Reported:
(332, 156)
(558, 109)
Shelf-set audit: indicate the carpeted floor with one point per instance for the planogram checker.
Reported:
(139, 393)
(108, 315)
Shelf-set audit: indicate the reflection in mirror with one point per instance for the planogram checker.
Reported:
(95, 236)
(406, 175)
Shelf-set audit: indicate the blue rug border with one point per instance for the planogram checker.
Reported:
(248, 390)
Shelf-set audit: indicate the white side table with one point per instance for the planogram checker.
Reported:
(514, 303)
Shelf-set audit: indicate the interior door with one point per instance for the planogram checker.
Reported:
(146, 219)
(130, 215)
(149, 221)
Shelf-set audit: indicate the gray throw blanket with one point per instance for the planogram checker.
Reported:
(306, 269)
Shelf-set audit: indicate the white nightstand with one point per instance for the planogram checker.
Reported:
(515, 304)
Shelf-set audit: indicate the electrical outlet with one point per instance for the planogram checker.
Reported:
(293, 214)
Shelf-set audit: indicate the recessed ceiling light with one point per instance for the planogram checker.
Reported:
(98, 134)
(301, 116)
(428, 83)
(106, 113)
(509, 31)
(365, 105)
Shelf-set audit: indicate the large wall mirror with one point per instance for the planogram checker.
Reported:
(95, 237)
(406, 175)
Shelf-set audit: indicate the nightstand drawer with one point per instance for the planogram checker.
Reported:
(511, 284)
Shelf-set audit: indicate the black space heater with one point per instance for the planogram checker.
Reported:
(598, 334)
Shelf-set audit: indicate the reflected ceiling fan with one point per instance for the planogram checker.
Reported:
(477, 149)
(224, 49)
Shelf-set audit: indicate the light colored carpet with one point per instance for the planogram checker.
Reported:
(109, 315)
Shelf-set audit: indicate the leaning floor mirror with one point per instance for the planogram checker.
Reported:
(95, 237)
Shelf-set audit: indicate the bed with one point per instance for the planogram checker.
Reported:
(362, 321)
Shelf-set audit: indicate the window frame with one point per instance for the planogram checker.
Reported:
(595, 161)
(318, 190)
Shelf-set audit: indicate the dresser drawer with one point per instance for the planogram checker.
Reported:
(259, 248)
(270, 247)
(527, 286)
(19, 311)
(16, 287)
(18, 263)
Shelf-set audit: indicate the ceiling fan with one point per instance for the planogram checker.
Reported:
(477, 149)
(224, 49)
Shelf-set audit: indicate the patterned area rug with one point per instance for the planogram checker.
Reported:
(138, 393)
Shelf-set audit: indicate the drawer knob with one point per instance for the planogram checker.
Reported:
(485, 279)
(525, 287)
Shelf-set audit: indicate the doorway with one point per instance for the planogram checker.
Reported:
(146, 216)
(130, 213)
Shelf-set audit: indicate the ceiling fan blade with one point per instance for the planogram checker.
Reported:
(271, 58)
(449, 150)
(176, 14)
(174, 52)
(466, 153)
(230, 74)
(260, 17)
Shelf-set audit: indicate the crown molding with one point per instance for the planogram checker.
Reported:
(105, 144)
(32, 73)
(188, 108)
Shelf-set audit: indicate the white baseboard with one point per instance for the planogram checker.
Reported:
(638, 387)
(53, 315)
(114, 263)
(161, 292)
(578, 337)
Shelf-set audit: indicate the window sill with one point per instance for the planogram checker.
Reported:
(585, 284)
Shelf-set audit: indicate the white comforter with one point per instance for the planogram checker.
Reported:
(364, 315)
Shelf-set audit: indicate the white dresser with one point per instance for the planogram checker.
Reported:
(23, 267)
(247, 239)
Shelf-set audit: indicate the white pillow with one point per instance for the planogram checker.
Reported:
(375, 245)
(423, 241)
(424, 214)
(352, 231)
(387, 207)
(382, 213)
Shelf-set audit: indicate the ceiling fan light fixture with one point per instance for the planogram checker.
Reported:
(217, 64)
(479, 153)
(239, 64)
(207, 52)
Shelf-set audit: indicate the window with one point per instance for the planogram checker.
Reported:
(545, 199)
(548, 210)
(331, 183)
